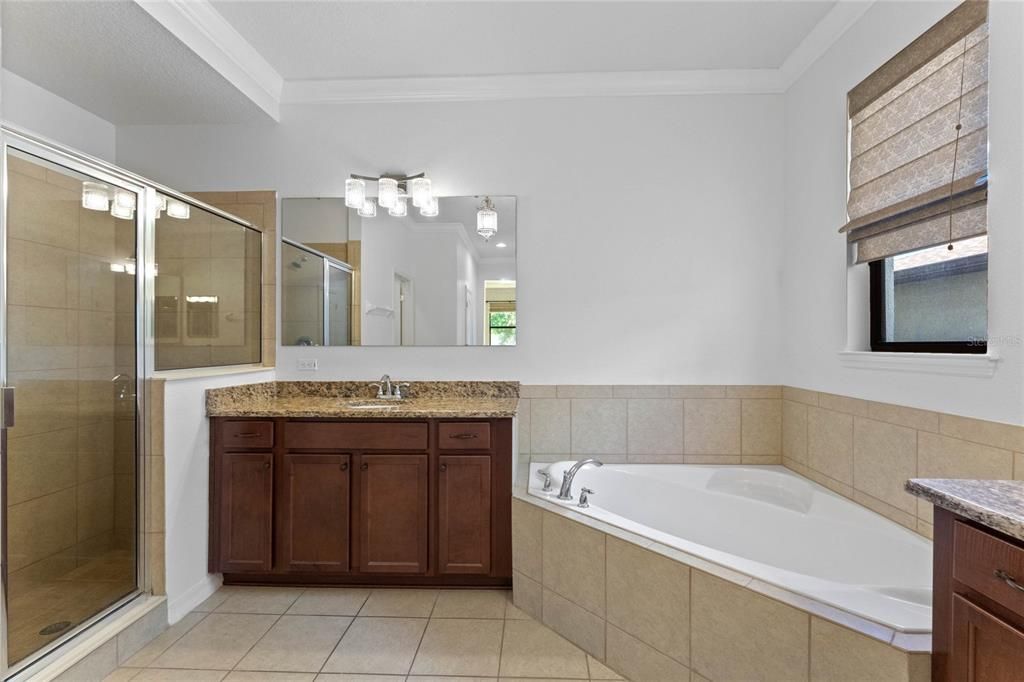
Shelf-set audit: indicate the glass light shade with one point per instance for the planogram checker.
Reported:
(177, 209)
(421, 192)
(486, 222)
(122, 212)
(387, 192)
(368, 209)
(355, 193)
(400, 209)
(124, 199)
(95, 196)
(430, 210)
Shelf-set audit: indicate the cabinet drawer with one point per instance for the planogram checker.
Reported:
(355, 436)
(247, 434)
(464, 436)
(989, 565)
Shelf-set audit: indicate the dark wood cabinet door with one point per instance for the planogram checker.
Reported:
(313, 528)
(464, 514)
(246, 506)
(985, 648)
(393, 513)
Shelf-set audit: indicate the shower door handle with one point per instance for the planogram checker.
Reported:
(6, 407)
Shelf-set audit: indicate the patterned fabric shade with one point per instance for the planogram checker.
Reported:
(919, 141)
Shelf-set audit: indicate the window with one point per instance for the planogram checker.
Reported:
(918, 188)
(501, 326)
(208, 288)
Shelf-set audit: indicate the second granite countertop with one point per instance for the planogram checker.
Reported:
(351, 400)
(996, 504)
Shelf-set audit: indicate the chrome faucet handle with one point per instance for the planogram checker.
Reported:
(398, 389)
(546, 475)
(585, 493)
(380, 388)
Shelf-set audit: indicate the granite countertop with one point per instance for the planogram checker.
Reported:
(996, 504)
(355, 400)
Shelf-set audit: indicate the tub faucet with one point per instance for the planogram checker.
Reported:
(566, 491)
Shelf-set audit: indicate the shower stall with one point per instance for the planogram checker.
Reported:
(77, 292)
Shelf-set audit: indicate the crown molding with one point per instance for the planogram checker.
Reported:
(532, 86)
(823, 36)
(207, 33)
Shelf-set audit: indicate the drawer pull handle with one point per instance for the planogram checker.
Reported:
(464, 436)
(1008, 579)
(247, 434)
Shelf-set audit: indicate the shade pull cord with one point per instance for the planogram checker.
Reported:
(956, 142)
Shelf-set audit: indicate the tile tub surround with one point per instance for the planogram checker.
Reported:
(866, 451)
(332, 399)
(996, 504)
(650, 612)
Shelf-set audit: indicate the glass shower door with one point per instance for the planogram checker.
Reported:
(70, 484)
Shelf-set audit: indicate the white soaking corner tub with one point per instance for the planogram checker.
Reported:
(771, 524)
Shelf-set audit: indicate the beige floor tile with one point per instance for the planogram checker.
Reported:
(460, 647)
(513, 612)
(296, 644)
(599, 671)
(530, 649)
(356, 677)
(640, 662)
(264, 676)
(122, 675)
(401, 603)
(217, 643)
(164, 640)
(471, 604)
(169, 675)
(377, 645)
(271, 600)
(447, 678)
(330, 601)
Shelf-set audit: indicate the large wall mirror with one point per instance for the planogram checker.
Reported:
(349, 280)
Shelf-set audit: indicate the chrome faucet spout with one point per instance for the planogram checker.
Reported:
(565, 493)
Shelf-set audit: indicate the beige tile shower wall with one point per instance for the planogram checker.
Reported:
(652, 424)
(866, 450)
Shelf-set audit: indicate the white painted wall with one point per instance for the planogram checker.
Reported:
(647, 227)
(815, 275)
(312, 221)
(187, 487)
(33, 109)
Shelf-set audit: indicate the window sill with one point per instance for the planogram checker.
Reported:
(948, 364)
(201, 372)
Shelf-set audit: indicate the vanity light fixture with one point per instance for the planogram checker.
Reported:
(487, 219)
(123, 212)
(202, 299)
(177, 209)
(95, 196)
(400, 209)
(394, 191)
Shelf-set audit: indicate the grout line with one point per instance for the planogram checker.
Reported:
(423, 634)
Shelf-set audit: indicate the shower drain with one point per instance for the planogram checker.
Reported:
(54, 628)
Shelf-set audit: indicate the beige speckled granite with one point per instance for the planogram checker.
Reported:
(355, 399)
(996, 504)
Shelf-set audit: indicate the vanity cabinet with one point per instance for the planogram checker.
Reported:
(343, 501)
(978, 608)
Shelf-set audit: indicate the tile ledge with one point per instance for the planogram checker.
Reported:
(201, 372)
(949, 364)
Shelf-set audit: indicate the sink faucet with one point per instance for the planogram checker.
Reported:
(387, 390)
(565, 493)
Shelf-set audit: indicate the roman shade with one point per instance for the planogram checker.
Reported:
(919, 142)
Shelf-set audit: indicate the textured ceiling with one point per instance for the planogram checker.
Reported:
(305, 39)
(114, 60)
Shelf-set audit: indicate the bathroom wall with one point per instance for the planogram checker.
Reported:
(36, 110)
(814, 261)
(647, 227)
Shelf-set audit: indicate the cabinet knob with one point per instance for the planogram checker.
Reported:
(444, 467)
(344, 466)
(266, 465)
(364, 466)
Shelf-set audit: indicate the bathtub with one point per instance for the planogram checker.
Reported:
(771, 524)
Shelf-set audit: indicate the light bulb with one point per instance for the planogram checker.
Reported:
(122, 212)
(387, 192)
(124, 199)
(355, 193)
(421, 191)
(368, 209)
(400, 209)
(95, 196)
(430, 210)
(177, 209)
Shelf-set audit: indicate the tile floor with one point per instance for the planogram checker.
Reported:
(245, 634)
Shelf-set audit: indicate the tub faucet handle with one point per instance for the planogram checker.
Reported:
(546, 475)
(584, 494)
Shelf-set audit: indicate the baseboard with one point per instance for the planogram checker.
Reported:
(180, 605)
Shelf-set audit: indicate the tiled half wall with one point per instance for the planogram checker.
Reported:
(860, 449)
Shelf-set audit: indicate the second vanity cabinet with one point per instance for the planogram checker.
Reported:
(416, 502)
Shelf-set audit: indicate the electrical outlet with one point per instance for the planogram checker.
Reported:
(307, 365)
